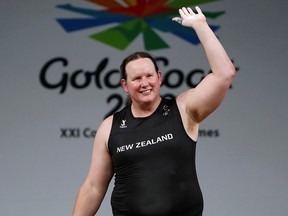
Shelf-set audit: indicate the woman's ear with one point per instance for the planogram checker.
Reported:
(159, 77)
(124, 85)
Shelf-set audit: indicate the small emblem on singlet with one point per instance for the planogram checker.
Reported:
(165, 110)
(123, 124)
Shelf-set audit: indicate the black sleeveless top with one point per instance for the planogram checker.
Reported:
(154, 164)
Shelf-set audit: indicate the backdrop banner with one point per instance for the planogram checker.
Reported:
(59, 62)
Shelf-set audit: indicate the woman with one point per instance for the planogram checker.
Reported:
(150, 145)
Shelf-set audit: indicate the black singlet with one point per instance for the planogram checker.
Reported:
(154, 164)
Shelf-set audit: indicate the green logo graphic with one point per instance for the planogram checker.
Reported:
(132, 18)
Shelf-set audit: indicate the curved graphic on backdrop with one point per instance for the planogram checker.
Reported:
(132, 18)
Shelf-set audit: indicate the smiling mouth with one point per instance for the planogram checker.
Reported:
(146, 91)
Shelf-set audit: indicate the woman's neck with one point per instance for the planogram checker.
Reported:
(145, 109)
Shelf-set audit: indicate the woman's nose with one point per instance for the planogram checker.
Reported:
(144, 82)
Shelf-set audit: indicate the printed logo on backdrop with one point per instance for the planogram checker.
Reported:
(130, 18)
(124, 20)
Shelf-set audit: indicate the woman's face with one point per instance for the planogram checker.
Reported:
(143, 81)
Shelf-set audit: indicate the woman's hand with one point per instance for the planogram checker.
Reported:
(189, 18)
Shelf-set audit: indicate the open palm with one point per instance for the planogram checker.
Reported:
(189, 18)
